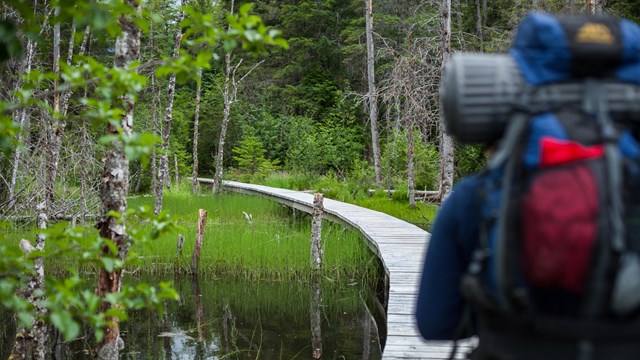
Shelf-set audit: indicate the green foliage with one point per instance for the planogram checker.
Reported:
(108, 92)
(249, 155)
(470, 159)
(394, 161)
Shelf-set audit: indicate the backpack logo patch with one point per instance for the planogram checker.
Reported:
(595, 33)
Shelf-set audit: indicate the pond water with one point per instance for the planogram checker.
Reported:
(231, 319)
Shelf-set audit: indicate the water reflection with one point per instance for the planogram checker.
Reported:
(221, 319)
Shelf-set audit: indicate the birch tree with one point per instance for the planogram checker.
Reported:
(446, 142)
(163, 170)
(22, 119)
(196, 134)
(115, 187)
(229, 97)
(596, 7)
(372, 96)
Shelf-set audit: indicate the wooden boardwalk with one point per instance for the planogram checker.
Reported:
(399, 245)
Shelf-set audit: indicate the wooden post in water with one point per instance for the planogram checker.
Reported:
(197, 299)
(317, 251)
(195, 258)
(180, 245)
(316, 318)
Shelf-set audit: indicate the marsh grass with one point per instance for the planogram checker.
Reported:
(356, 192)
(272, 246)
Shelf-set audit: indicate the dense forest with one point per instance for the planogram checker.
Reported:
(306, 108)
(105, 99)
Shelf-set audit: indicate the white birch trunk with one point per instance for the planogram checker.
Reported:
(372, 96)
(163, 175)
(66, 96)
(114, 189)
(30, 344)
(154, 121)
(196, 134)
(56, 126)
(226, 116)
(175, 166)
(596, 7)
(22, 122)
(446, 143)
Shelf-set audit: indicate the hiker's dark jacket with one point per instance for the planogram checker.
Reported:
(454, 237)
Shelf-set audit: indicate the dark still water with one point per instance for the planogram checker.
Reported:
(219, 319)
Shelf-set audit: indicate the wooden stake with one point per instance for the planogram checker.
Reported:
(195, 259)
(317, 251)
(316, 318)
(180, 245)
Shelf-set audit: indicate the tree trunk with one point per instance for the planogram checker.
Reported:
(372, 96)
(411, 178)
(163, 175)
(226, 116)
(56, 124)
(154, 155)
(596, 7)
(30, 344)
(484, 11)
(66, 96)
(22, 122)
(479, 25)
(175, 166)
(196, 132)
(114, 189)
(446, 143)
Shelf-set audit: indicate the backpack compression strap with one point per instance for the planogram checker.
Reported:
(507, 156)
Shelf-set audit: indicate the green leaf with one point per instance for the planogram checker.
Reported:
(108, 264)
(63, 321)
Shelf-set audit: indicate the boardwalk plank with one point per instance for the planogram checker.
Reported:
(400, 246)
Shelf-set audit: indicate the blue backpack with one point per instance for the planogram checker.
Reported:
(557, 272)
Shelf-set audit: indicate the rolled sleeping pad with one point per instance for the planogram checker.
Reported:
(480, 92)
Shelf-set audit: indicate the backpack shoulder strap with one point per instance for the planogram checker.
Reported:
(505, 157)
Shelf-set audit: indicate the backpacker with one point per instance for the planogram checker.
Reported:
(557, 273)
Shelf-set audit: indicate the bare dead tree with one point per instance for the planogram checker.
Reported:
(55, 125)
(446, 142)
(163, 174)
(23, 119)
(410, 93)
(196, 132)
(372, 96)
(479, 25)
(115, 187)
(229, 97)
(154, 125)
